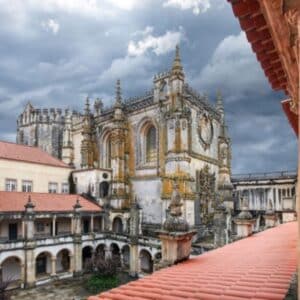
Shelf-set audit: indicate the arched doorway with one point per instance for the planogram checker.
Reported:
(103, 189)
(43, 264)
(115, 253)
(117, 225)
(126, 256)
(100, 251)
(86, 256)
(11, 269)
(63, 261)
(146, 262)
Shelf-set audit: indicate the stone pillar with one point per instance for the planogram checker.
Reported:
(270, 216)
(244, 221)
(71, 257)
(22, 277)
(221, 235)
(92, 223)
(53, 266)
(134, 260)
(134, 238)
(77, 239)
(53, 226)
(107, 253)
(29, 244)
(23, 229)
(175, 236)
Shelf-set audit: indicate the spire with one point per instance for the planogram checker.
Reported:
(118, 103)
(87, 106)
(220, 104)
(177, 66)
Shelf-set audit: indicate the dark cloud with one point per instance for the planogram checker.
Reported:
(84, 50)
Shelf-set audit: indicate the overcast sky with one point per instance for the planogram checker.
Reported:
(56, 52)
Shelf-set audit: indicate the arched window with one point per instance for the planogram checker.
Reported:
(151, 152)
(108, 153)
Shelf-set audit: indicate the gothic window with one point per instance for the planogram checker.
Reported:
(151, 145)
(104, 189)
(107, 160)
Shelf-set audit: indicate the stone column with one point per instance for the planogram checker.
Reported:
(244, 221)
(53, 226)
(176, 236)
(22, 276)
(270, 216)
(134, 238)
(134, 260)
(23, 229)
(29, 244)
(107, 253)
(53, 266)
(71, 257)
(77, 239)
(92, 223)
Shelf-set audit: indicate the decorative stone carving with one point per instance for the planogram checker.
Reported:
(205, 130)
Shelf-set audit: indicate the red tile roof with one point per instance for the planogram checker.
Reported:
(15, 201)
(258, 267)
(253, 22)
(12, 151)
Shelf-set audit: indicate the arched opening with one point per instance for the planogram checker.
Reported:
(115, 253)
(107, 152)
(43, 264)
(146, 262)
(151, 151)
(103, 189)
(100, 251)
(87, 252)
(11, 269)
(126, 256)
(63, 261)
(117, 225)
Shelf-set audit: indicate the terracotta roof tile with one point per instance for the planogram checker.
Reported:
(15, 201)
(12, 151)
(259, 267)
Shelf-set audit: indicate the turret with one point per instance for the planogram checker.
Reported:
(87, 153)
(224, 155)
(118, 115)
(67, 149)
(177, 81)
(220, 105)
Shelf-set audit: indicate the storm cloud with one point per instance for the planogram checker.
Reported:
(56, 52)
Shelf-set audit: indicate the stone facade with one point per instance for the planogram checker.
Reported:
(144, 145)
(267, 192)
(43, 128)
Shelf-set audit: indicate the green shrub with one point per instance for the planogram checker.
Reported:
(98, 283)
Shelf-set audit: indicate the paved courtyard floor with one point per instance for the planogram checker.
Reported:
(71, 289)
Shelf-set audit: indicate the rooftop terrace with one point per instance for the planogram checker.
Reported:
(258, 267)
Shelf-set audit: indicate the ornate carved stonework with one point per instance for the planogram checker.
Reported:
(206, 189)
(205, 130)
